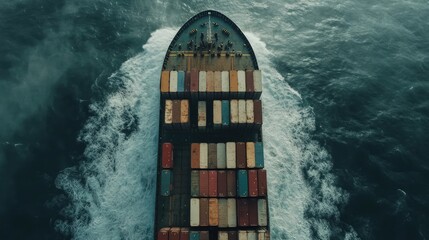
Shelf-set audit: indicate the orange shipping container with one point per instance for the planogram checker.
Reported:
(213, 212)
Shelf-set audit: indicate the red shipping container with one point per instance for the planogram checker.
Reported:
(221, 184)
(253, 183)
(231, 183)
(194, 81)
(232, 235)
(262, 182)
(257, 111)
(204, 235)
(174, 234)
(167, 155)
(250, 85)
(204, 212)
(212, 183)
(241, 155)
(163, 233)
(243, 212)
(195, 155)
(204, 183)
(187, 81)
(184, 234)
(253, 212)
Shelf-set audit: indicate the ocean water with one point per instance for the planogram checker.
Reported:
(346, 115)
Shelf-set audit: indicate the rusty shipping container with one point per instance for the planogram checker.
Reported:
(167, 155)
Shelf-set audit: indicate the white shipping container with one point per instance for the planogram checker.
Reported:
(217, 113)
(234, 111)
(232, 212)
(173, 82)
(202, 117)
(230, 155)
(241, 111)
(195, 212)
(241, 82)
(242, 235)
(217, 82)
(223, 212)
(221, 155)
(204, 155)
(251, 235)
(257, 79)
(261, 234)
(250, 154)
(222, 235)
(168, 117)
(225, 82)
(250, 116)
(202, 84)
(262, 212)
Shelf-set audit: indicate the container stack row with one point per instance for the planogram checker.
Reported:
(211, 84)
(185, 234)
(230, 155)
(231, 113)
(228, 212)
(229, 183)
(176, 114)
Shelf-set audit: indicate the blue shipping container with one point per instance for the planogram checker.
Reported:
(180, 81)
(165, 182)
(225, 113)
(259, 155)
(194, 235)
(242, 183)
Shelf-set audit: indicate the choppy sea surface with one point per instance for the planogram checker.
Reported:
(346, 115)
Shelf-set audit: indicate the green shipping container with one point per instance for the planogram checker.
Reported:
(195, 184)
(180, 81)
(165, 182)
(225, 113)
(259, 155)
(194, 235)
(242, 184)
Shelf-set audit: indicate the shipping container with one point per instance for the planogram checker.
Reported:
(250, 86)
(165, 83)
(184, 113)
(194, 235)
(243, 212)
(232, 235)
(261, 234)
(166, 179)
(222, 183)
(241, 112)
(232, 212)
(195, 183)
(231, 183)
(217, 84)
(194, 83)
(195, 155)
(242, 183)
(225, 84)
(262, 182)
(223, 212)
(187, 83)
(202, 117)
(174, 233)
(257, 110)
(180, 83)
(176, 113)
(202, 84)
(225, 114)
(212, 157)
(253, 183)
(168, 116)
(195, 212)
(184, 234)
(241, 83)
(212, 183)
(241, 154)
(234, 112)
(257, 79)
(233, 84)
(250, 116)
(222, 235)
(213, 212)
(204, 212)
(230, 155)
(250, 154)
(253, 212)
(251, 235)
(210, 84)
(204, 183)
(217, 113)
(221, 155)
(163, 233)
(173, 84)
(204, 235)
(259, 155)
(242, 235)
(262, 212)
(204, 154)
(167, 155)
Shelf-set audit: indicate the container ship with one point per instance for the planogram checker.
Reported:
(211, 181)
